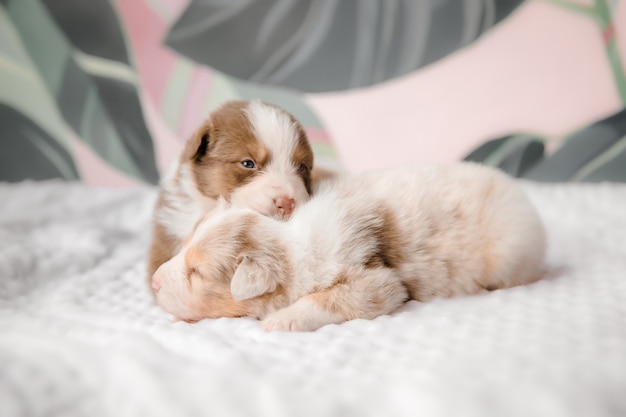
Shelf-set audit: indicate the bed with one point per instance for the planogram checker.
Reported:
(81, 336)
(104, 93)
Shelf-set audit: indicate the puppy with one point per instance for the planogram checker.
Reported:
(358, 249)
(251, 153)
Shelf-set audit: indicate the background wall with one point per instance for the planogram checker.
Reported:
(542, 77)
(106, 91)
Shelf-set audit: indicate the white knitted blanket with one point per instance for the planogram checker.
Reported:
(80, 336)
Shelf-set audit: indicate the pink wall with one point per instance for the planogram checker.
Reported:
(544, 70)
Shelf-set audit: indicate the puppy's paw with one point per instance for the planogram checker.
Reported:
(302, 316)
(282, 322)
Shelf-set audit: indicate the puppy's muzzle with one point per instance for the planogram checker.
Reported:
(284, 206)
(156, 285)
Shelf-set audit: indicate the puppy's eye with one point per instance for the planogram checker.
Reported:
(248, 164)
(302, 169)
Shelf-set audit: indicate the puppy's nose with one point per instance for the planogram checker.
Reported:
(155, 283)
(284, 205)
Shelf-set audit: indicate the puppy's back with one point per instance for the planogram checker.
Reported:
(459, 228)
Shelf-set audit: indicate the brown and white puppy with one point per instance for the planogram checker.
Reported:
(248, 152)
(358, 249)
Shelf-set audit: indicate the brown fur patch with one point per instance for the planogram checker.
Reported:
(332, 300)
(389, 241)
(218, 171)
(303, 159)
(194, 257)
(319, 175)
(223, 247)
(362, 293)
(416, 289)
(218, 302)
(162, 248)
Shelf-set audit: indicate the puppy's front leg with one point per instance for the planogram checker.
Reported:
(302, 316)
(364, 293)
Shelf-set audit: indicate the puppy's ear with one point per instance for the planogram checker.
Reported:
(251, 279)
(198, 144)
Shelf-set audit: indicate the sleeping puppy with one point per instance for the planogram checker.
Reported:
(358, 249)
(251, 153)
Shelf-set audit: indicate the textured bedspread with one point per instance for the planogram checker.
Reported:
(80, 336)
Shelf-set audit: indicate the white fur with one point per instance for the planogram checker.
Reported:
(262, 193)
(274, 128)
(279, 178)
(325, 235)
(183, 210)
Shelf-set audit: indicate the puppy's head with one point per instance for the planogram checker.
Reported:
(254, 154)
(231, 266)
